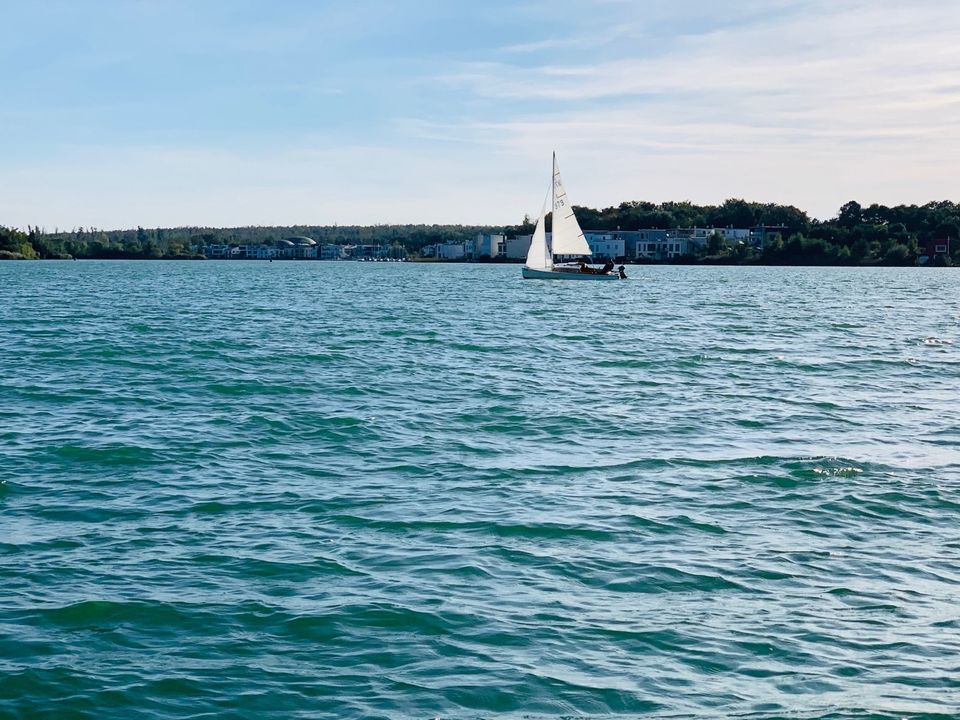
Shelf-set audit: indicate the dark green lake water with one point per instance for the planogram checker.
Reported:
(344, 490)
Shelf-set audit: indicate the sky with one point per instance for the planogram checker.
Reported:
(223, 113)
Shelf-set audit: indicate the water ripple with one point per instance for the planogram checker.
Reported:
(348, 490)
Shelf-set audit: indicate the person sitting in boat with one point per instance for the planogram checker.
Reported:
(607, 267)
(623, 272)
(584, 268)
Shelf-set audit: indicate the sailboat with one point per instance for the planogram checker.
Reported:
(567, 239)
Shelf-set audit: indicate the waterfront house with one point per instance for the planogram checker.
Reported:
(935, 250)
(605, 245)
(761, 234)
(451, 251)
(445, 251)
(261, 252)
(661, 244)
(647, 243)
(285, 249)
(302, 248)
(331, 252)
(734, 235)
(216, 250)
(486, 245)
(516, 248)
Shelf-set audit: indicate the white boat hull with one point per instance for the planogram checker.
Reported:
(531, 274)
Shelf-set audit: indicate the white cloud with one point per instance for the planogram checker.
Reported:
(815, 107)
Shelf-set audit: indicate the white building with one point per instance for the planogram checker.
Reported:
(644, 243)
(487, 245)
(451, 251)
(674, 247)
(604, 245)
(733, 234)
(517, 248)
(659, 244)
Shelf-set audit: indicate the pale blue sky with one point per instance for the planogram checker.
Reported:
(232, 112)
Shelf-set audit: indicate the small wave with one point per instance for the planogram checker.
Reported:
(838, 471)
(403, 619)
(476, 348)
(276, 570)
(509, 530)
(675, 524)
(109, 613)
(658, 579)
(257, 387)
(89, 512)
(108, 454)
(626, 363)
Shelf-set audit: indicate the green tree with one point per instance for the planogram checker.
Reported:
(793, 248)
(860, 252)
(900, 255)
(735, 213)
(773, 246)
(716, 244)
(949, 230)
(850, 214)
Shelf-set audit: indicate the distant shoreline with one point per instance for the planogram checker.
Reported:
(736, 232)
(679, 262)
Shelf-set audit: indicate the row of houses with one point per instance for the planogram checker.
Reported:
(617, 244)
(483, 246)
(296, 248)
(652, 243)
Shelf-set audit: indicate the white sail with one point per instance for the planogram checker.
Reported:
(539, 256)
(567, 236)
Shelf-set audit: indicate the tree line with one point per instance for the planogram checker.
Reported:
(877, 234)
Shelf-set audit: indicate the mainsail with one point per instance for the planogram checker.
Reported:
(567, 236)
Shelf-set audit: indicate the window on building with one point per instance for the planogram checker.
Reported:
(941, 248)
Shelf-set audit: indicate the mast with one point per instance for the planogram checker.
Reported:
(553, 205)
